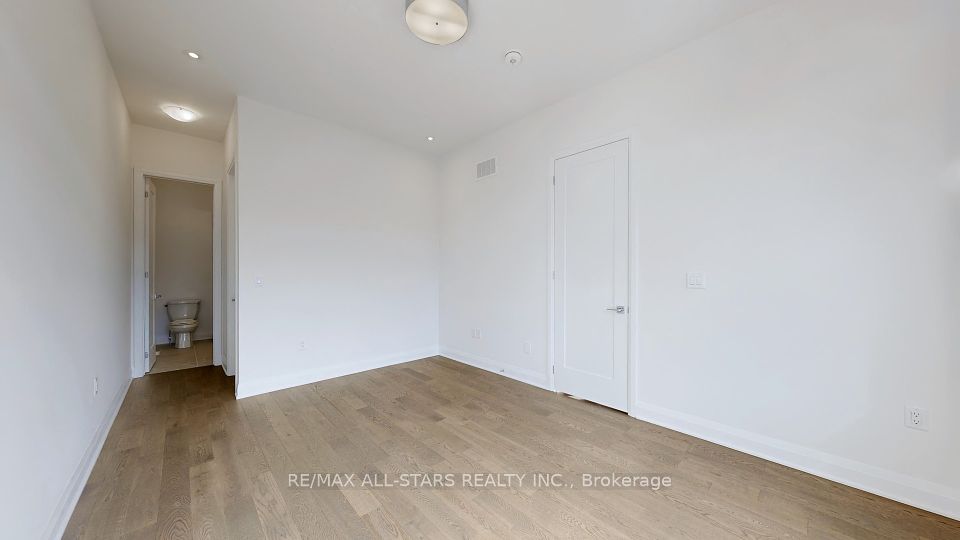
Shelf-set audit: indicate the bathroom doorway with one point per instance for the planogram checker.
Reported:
(177, 300)
(181, 262)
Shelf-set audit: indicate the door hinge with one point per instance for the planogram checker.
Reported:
(554, 180)
(553, 369)
(146, 194)
(553, 274)
(146, 275)
(146, 354)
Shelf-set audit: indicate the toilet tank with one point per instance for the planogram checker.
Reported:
(186, 308)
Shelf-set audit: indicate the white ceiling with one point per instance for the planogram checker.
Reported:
(354, 62)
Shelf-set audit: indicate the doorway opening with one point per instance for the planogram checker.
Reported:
(180, 274)
(177, 299)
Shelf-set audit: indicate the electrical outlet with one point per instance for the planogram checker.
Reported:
(477, 333)
(96, 385)
(302, 346)
(916, 418)
(527, 348)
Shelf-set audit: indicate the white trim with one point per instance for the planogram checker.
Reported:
(918, 493)
(930, 496)
(68, 500)
(248, 388)
(217, 274)
(528, 376)
(915, 492)
(231, 368)
(633, 266)
(140, 304)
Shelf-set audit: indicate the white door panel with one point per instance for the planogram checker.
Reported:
(151, 265)
(591, 275)
(230, 271)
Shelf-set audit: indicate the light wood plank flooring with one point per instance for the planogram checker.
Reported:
(186, 460)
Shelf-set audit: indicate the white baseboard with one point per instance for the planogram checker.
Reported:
(250, 388)
(68, 500)
(528, 376)
(923, 494)
(930, 496)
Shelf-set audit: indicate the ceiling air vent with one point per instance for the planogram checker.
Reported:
(486, 168)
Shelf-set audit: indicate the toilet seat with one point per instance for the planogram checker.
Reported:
(183, 323)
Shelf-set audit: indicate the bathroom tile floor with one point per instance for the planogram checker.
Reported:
(171, 359)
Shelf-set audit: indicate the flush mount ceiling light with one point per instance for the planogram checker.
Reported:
(179, 114)
(440, 22)
(193, 54)
(430, 139)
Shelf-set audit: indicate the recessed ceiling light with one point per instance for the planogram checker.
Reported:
(179, 113)
(431, 139)
(440, 22)
(194, 55)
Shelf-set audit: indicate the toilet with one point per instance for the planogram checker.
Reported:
(183, 320)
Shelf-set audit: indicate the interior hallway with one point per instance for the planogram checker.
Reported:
(185, 459)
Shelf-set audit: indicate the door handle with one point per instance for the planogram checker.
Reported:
(618, 309)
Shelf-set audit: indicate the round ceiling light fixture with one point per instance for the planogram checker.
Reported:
(440, 22)
(179, 113)
(192, 54)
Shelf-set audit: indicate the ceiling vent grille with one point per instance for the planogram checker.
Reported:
(486, 168)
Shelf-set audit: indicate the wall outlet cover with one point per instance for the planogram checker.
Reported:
(916, 418)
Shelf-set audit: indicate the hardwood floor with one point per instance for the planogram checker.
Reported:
(186, 460)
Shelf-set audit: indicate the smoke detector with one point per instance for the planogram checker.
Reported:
(513, 58)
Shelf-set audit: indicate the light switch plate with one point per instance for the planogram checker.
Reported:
(696, 280)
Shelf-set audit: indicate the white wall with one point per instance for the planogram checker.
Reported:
(174, 154)
(342, 230)
(161, 151)
(806, 159)
(184, 251)
(65, 270)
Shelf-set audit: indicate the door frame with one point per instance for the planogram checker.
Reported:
(633, 304)
(139, 302)
(151, 265)
(231, 272)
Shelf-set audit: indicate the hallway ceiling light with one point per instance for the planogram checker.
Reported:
(430, 139)
(194, 55)
(440, 22)
(179, 114)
